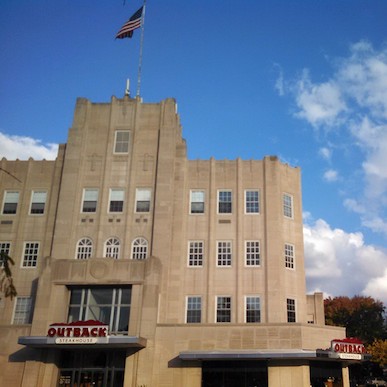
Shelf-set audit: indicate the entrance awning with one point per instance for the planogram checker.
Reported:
(247, 355)
(113, 342)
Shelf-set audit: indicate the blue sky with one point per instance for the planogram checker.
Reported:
(304, 80)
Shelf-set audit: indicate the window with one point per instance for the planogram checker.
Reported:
(197, 202)
(106, 304)
(23, 309)
(38, 202)
(30, 256)
(11, 199)
(252, 253)
(194, 309)
(224, 253)
(291, 309)
(116, 202)
(195, 253)
(251, 202)
(121, 143)
(288, 205)
(143, 199)
(5, 247)
(224, 202)
(90, 200)
(223, 309)
(140, 248)
(112, 248)
(289, 256)
(253, 309)
(84, 248)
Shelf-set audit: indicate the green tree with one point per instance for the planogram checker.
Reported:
(6, 280)
(363, 317)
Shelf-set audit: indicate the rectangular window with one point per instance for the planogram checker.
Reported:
(23, 309)
(90, 200)
(289, 256)
(30, 256)
(223, 309)
(288, 205)
(5, 247)
(143, 199)
(11, 199)
(121, 142)
(251, 202)
(195, 253)
(197, 202)
(38, 202)
(253, 309)
(224, 202)
(106, 304)
(252, 253)
(224, 253)
(194, 309)
(116, 201)
(291, 309)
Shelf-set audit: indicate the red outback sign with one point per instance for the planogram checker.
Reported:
(349, 345)
(90, 328)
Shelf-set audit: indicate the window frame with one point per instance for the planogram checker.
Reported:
(4, 249)
(250, 256)
(249, 202)
(224, 257)
(9, 202)
(41, 211)
(194, 203)
(218, 310)
(110, 206)
(291, 310)
(255, 298)
(288, 205)
(139, 255)
(81, 306)
(193, 315)
(224, 203)
(30, 258)
(25, 314)
(195, 253)
(125, 144)
(80, 252)
(148, 193)
(114, 247)
(289, 256)
(84, 209)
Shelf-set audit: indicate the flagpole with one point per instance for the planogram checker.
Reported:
(140, 57)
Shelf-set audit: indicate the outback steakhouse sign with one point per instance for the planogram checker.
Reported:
(348, 348)
(78, 332)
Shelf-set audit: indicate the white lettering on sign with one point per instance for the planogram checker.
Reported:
(76, 340)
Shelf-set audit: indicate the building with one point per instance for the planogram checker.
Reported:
(138, 267)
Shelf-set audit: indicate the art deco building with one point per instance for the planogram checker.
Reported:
(135, 266)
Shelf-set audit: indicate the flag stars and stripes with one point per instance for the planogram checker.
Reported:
(133, 23)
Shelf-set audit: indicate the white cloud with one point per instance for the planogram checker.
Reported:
(353, 102)
(340, 263)
(22, 148)
(331, 175)
(325, 153)
(319, 104)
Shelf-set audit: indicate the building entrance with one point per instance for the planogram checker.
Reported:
(91, 369)
(234, 374)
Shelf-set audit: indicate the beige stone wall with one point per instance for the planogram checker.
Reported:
(157, 160)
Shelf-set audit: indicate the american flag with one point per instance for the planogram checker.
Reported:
(133, 23)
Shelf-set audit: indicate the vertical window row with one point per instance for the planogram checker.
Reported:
(23, 311)
(224, 202)
(223, 309)
(5, 248)
(251, 202)
(291, 309)
(289, 256)
(253, 309)
(197, 202)
(90, 200)
(11, 199)
(224, 253)
(194, 309)
(252, 253)
(287, 201)
(116, 200)
(30, 255)
(195, 253)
